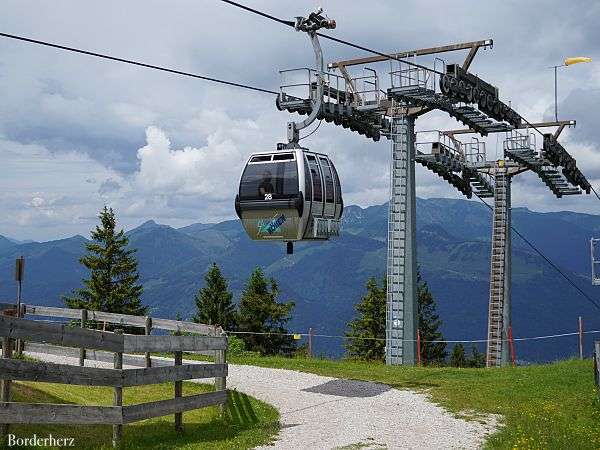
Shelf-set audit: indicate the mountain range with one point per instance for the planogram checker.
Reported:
(326, 280)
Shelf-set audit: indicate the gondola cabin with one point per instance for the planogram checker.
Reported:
(290, 195)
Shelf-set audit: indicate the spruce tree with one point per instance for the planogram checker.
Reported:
(213, 301)
(477, 358)
(260, 314)
(369, 327)
(458, 358)
(113, 283)
(429, 326)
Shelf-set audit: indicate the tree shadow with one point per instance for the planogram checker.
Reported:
(24, 393)
(238, 416)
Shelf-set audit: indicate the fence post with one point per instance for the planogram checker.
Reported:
(178, 356)
(580, 338)
(84, 317)
(21, 342)
(118, 399)
(221, 382)
(19, 272)
(310, 353)
(147, 331)
(5, 384)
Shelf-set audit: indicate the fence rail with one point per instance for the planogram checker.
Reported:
(72, 341)
(60, 334)
(19, 370)
(123, 319)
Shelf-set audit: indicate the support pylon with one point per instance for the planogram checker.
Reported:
(401, 317)
(499, 317)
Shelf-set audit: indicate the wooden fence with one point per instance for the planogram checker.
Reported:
(78, 342)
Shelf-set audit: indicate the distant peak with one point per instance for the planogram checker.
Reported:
(149, 224)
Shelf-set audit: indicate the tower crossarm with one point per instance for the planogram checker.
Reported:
(521, 149)
(547, 173)
(481, 183)
(556, 154)
(445, 169)
(340, 103)
(445, 157)
(412, 91)
(456, 162)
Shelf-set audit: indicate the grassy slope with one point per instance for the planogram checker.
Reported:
(247, 423)
(544, 406)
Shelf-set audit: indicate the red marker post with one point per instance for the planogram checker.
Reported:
(580, 338)
(512, 346)
(418, 347)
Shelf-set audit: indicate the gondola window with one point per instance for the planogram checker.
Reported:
(269, 181)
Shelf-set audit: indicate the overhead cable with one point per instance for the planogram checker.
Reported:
(571, 282)
(325, 36)
(136, 63)
(446, 341)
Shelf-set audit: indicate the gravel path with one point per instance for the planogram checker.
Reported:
(328, 413)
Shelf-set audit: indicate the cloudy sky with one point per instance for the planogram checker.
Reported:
(78, 132)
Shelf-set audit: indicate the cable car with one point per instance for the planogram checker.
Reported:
(293, 194)
(290, 195)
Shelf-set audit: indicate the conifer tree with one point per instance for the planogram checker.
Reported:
(369, 327)
(213, 301)
(458, 358)
(477, 358)
(113, 282)
(261, 313)
(429, 326)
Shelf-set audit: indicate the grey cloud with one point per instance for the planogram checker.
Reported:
(108, 186)
(584, 104)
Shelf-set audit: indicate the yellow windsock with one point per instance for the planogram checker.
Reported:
(577, 59)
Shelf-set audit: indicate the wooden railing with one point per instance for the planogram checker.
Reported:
(73, 341)
(146, 322)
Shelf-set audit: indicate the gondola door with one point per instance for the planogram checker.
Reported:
(329, 188)
(339, 202)
(317, 204)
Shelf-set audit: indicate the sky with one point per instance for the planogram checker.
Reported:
(78, 133)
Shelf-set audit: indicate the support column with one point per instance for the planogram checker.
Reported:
(401, 308)
(499, 316)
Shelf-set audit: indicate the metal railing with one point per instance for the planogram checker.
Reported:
(520, 141)
(367, 89)
(475, 152)
(334, 86)
(403, 75)
(435, 142)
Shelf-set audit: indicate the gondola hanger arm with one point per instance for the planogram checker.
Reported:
(310, 25)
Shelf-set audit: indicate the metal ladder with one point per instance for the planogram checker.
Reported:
(500, 272)
(401, 257)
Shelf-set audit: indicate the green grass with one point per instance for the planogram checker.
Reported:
(551, 406)
(246, 423)
(543, 406)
